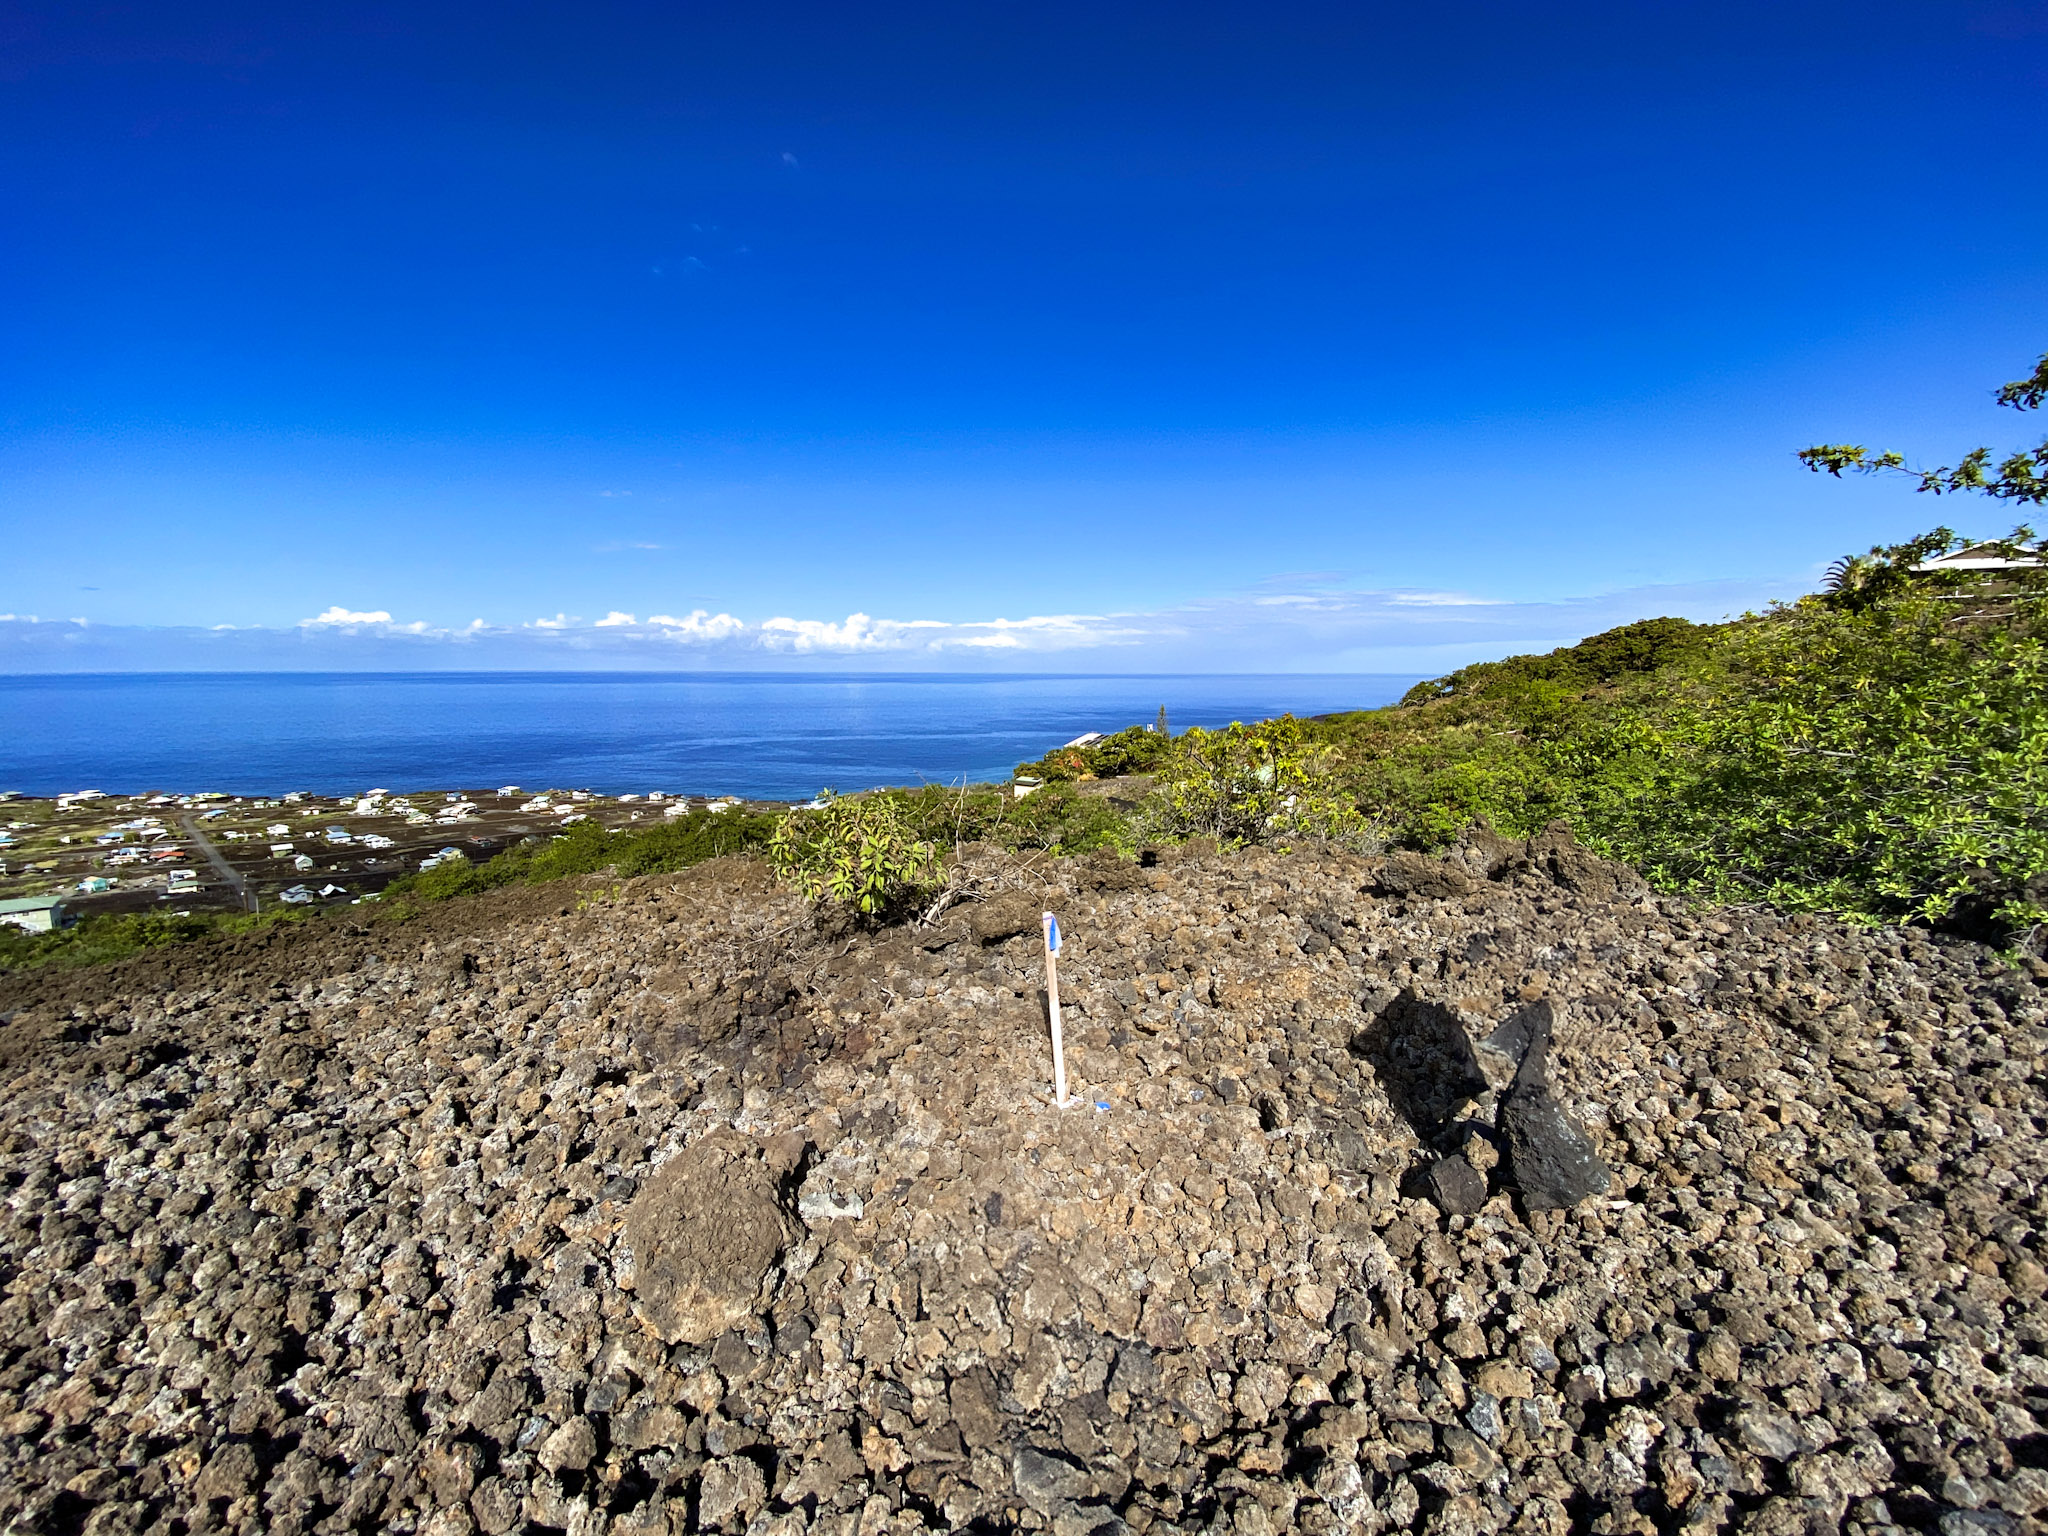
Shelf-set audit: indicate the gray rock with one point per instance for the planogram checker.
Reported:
(1550, 1158)
(1048, 1479)
(1003, 917)
(570, 1448)
(732, 1489)
(1769, 1434)
(1456, 1186)
(708, 1233)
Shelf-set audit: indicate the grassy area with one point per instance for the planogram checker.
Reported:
(587, 848)
(95, 940)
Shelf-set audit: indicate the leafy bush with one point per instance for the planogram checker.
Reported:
(1879, 759)
(1252, 784)
(861, 851)
(1139, 749)
(1881, 762)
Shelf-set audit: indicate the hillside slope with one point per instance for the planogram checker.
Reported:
(666, 1209)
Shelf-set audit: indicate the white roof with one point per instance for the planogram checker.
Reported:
(1979, 557)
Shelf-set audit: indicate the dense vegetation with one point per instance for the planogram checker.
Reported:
(1879, 751)
(1884, 760)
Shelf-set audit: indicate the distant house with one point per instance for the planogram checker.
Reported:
(303, 862)
(37, 914)
(1085, 739)
(92, 885)
(1980, 557)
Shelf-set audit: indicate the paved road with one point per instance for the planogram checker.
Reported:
(220, 865)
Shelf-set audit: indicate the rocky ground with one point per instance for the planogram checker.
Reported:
(665, 1207)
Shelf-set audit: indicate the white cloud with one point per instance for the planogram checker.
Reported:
(858, 633)
(1254, 629)
(699, 625)
(340, 615)
(1443, 600)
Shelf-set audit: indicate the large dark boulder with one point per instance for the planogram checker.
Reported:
(1550, 1158)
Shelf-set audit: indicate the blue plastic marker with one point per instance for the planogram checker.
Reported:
(1052, 1000)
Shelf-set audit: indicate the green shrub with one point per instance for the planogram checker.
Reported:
(1879, 761)
(1139, 749)
(861, 851)
(1253, 784)
(1883, 758)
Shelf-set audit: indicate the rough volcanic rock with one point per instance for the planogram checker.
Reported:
(708, 1235)
(1456, 1186)
(1552, 1162)
(339, 1227)
(1002, 917)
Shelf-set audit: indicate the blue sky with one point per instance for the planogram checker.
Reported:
(1112, 337)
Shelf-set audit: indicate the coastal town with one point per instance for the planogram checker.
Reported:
(89, 853)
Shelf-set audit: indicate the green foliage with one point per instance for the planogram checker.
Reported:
(1253, 784)
(1884, 763)
(1882, 756)
(97, 940)
(586, 848)
(1858, 583)
(1139, 749)
(1644, 646)
(860, 850)
(2021, 477)
(1059, 819)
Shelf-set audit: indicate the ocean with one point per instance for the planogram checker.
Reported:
(774, 736)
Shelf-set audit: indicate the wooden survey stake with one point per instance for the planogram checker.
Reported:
(1052, 1005)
